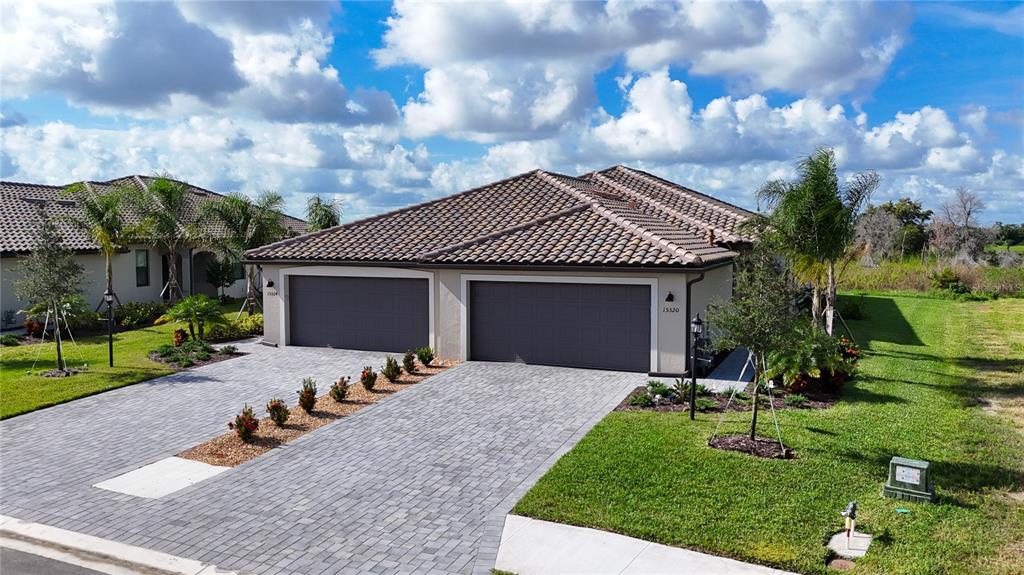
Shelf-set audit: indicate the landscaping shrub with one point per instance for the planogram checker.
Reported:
(657, 387)
(741, 397)
(851, 308)
(138, 313)
(682, 389)
(795, 400)
(391, 370)
(425, 355)
(307, 395)
(339, 390)
(180, 337)
(33, 327)
(815, 362)
(278, 411)
(78, 314)
(245, 424)
(368, 378)
(229, 349)
(946, 279)
(240, 328)
(186, 354)
(9, 340)
(705, 404)
(641, 400)
(409, 362)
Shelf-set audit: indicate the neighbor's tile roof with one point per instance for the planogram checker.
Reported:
(19, 212)
(617, 217)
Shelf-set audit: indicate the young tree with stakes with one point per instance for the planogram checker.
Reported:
(102, 217)
(162, 207)
(760, 317)
(50, 274)
(247, 224)
(812, 222)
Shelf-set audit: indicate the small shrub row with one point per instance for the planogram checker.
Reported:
(240, 328)
(9, 340)
(134, 314)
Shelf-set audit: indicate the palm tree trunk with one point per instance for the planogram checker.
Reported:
(830, 298)
(816, 304)
(110, 274)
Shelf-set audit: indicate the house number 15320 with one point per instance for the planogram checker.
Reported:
(670, 309)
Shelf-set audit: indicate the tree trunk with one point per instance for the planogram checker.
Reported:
(757, 397)
(201, 331)
(816, 304)
(250, 291)
(830, 298)
(192, 330)
(110, 274)
(56, 333)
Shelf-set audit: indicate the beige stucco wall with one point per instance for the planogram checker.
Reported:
(94, 284)
(673, 326)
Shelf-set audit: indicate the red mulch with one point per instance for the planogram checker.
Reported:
(759, 446)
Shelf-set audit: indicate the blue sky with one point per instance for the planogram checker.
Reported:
(381, 105)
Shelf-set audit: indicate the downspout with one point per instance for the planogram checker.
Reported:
(686, 328)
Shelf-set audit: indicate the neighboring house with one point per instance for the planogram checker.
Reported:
(589, 271)
(140, 272)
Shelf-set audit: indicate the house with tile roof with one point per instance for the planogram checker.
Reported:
(603, 270)
(140, 272)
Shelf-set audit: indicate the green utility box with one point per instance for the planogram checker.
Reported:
(909, 479)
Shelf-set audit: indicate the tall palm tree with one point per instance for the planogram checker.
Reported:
(321, 215)
(102, 217)
(246, 224)
(162, 207)
(812, 221)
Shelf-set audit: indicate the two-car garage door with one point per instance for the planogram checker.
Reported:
(603, 326)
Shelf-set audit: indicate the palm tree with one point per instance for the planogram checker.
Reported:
(197, 311)
(321, 215)
(162, 208)
(812, 221)
(246, 224)
(102, 217)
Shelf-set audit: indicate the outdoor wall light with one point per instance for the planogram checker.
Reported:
(670, 297)
(270, 283)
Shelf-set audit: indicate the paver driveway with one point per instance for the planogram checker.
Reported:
(417, 483)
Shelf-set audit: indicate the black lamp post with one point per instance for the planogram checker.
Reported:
(109, 298)
(695, 328)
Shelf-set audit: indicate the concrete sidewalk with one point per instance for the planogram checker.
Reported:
(533, 547)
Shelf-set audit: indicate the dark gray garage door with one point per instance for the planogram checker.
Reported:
(377, 314)
(576, 325)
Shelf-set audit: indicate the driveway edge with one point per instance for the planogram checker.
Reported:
(96, 553)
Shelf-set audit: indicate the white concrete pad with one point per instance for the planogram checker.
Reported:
(162, 477)
(855, 548)
(533, 547)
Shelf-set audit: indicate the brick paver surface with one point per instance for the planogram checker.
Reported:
(418, 483)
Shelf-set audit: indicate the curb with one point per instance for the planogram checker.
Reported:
(96, 553)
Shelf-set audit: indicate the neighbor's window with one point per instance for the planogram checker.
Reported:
(141, 268)
(239, 272)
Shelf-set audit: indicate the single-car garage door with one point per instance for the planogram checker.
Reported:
(376, 314)
(603, 326)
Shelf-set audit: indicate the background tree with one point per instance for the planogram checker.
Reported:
(761, 316)
(246, 224)
(877, 233)
(163, 207)
(220, 273)
(812, 222)
(913, 218)
(957, 230)
(102, 217)
(321, 215)
(50, 275)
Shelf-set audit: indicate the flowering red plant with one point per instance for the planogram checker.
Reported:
(245, 424)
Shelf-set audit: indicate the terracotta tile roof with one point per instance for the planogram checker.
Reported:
(538, 218)
(19, 205)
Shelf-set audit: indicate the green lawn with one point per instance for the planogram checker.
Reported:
(23, 390)
(1003, 247)
(650, 475)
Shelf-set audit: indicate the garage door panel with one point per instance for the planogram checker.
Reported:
(583, 325)
(376, 314)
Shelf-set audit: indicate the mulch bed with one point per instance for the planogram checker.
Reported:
(814, 401)
(214, 358)
(758, 447)
(228, 450)
(63, 372)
